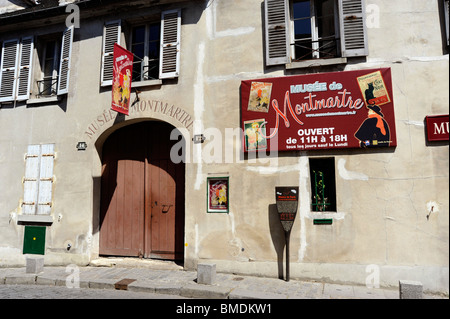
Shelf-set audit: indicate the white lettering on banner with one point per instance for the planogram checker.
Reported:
(321, 137)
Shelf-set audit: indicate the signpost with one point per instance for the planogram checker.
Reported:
(287, 203)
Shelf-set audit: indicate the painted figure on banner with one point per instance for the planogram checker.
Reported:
(374, 131)
(121, 87)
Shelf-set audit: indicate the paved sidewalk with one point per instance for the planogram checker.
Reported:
(183, 283)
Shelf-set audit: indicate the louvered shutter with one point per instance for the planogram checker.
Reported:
(24, 71)
(8, 69)
(353, 28)
(169, 62)
(31, 180)
(64, 66)
(111, 35)
(45, 179)
(277, 31)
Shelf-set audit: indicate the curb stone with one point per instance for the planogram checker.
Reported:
(204, 291)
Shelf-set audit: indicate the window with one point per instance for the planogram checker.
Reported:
(323, 184)
(145, 46)
(17, 63)
(38, 180)
(156, 48)
(298, 30)
(48, 83)
(315, 26)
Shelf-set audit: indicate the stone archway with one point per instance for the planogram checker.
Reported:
(142, 194)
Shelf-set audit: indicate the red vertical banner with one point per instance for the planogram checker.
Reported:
(122, 73)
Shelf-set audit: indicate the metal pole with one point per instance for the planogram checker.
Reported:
(287, 235)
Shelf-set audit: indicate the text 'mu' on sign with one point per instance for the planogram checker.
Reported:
(351, 109)
(437, 128)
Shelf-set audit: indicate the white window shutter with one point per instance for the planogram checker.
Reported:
(64, 66)
(277, 31)
(46, 179)
(31, 180)
(111, 35)
(8, 70)
(353, 28)
(24, 72)
(169, 61)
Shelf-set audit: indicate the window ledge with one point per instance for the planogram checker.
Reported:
(35, 219)
(49, 99)
(326, 215)
(314, 63)
(146, 83)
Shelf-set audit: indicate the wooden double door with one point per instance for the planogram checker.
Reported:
(142, 194)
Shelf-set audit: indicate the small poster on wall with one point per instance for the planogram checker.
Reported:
(218, 199)
(259, 97)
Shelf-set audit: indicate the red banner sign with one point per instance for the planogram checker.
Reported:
(122, 73)
(352, 109)
(437, 128)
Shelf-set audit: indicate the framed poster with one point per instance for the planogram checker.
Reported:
(217, 195)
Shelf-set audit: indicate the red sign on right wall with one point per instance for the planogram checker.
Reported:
(437, 128)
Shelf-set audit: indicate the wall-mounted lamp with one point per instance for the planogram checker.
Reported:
(81, 146)
(198, 139)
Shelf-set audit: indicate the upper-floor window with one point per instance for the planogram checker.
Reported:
(156, 48)
(19, 78)
(299, 30)
(49, 55)
(145, 45)
(315, 24)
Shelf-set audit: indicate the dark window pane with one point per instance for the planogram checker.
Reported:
(139, 34)
(136, 71)
(49, 58)
(138, 50)
(302, 29)
(301, 9)
(303, 50)
(154, 32)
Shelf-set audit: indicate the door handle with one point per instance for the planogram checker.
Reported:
(166, 208)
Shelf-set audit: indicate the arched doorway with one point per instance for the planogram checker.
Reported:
(142, 194)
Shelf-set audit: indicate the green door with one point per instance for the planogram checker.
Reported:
(34, 240)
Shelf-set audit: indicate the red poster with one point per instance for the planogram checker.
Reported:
(350, 109)
(122, 72)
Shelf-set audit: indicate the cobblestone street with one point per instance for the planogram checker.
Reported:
(60, 292)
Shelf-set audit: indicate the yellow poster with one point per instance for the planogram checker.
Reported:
(373, 89)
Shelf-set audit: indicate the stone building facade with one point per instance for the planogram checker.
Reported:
(190, 173)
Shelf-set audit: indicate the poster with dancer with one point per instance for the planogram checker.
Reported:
(122, 72)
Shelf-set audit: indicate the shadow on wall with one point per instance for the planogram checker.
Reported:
(278, 238)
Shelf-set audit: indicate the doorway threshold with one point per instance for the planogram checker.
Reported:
(130, 262)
